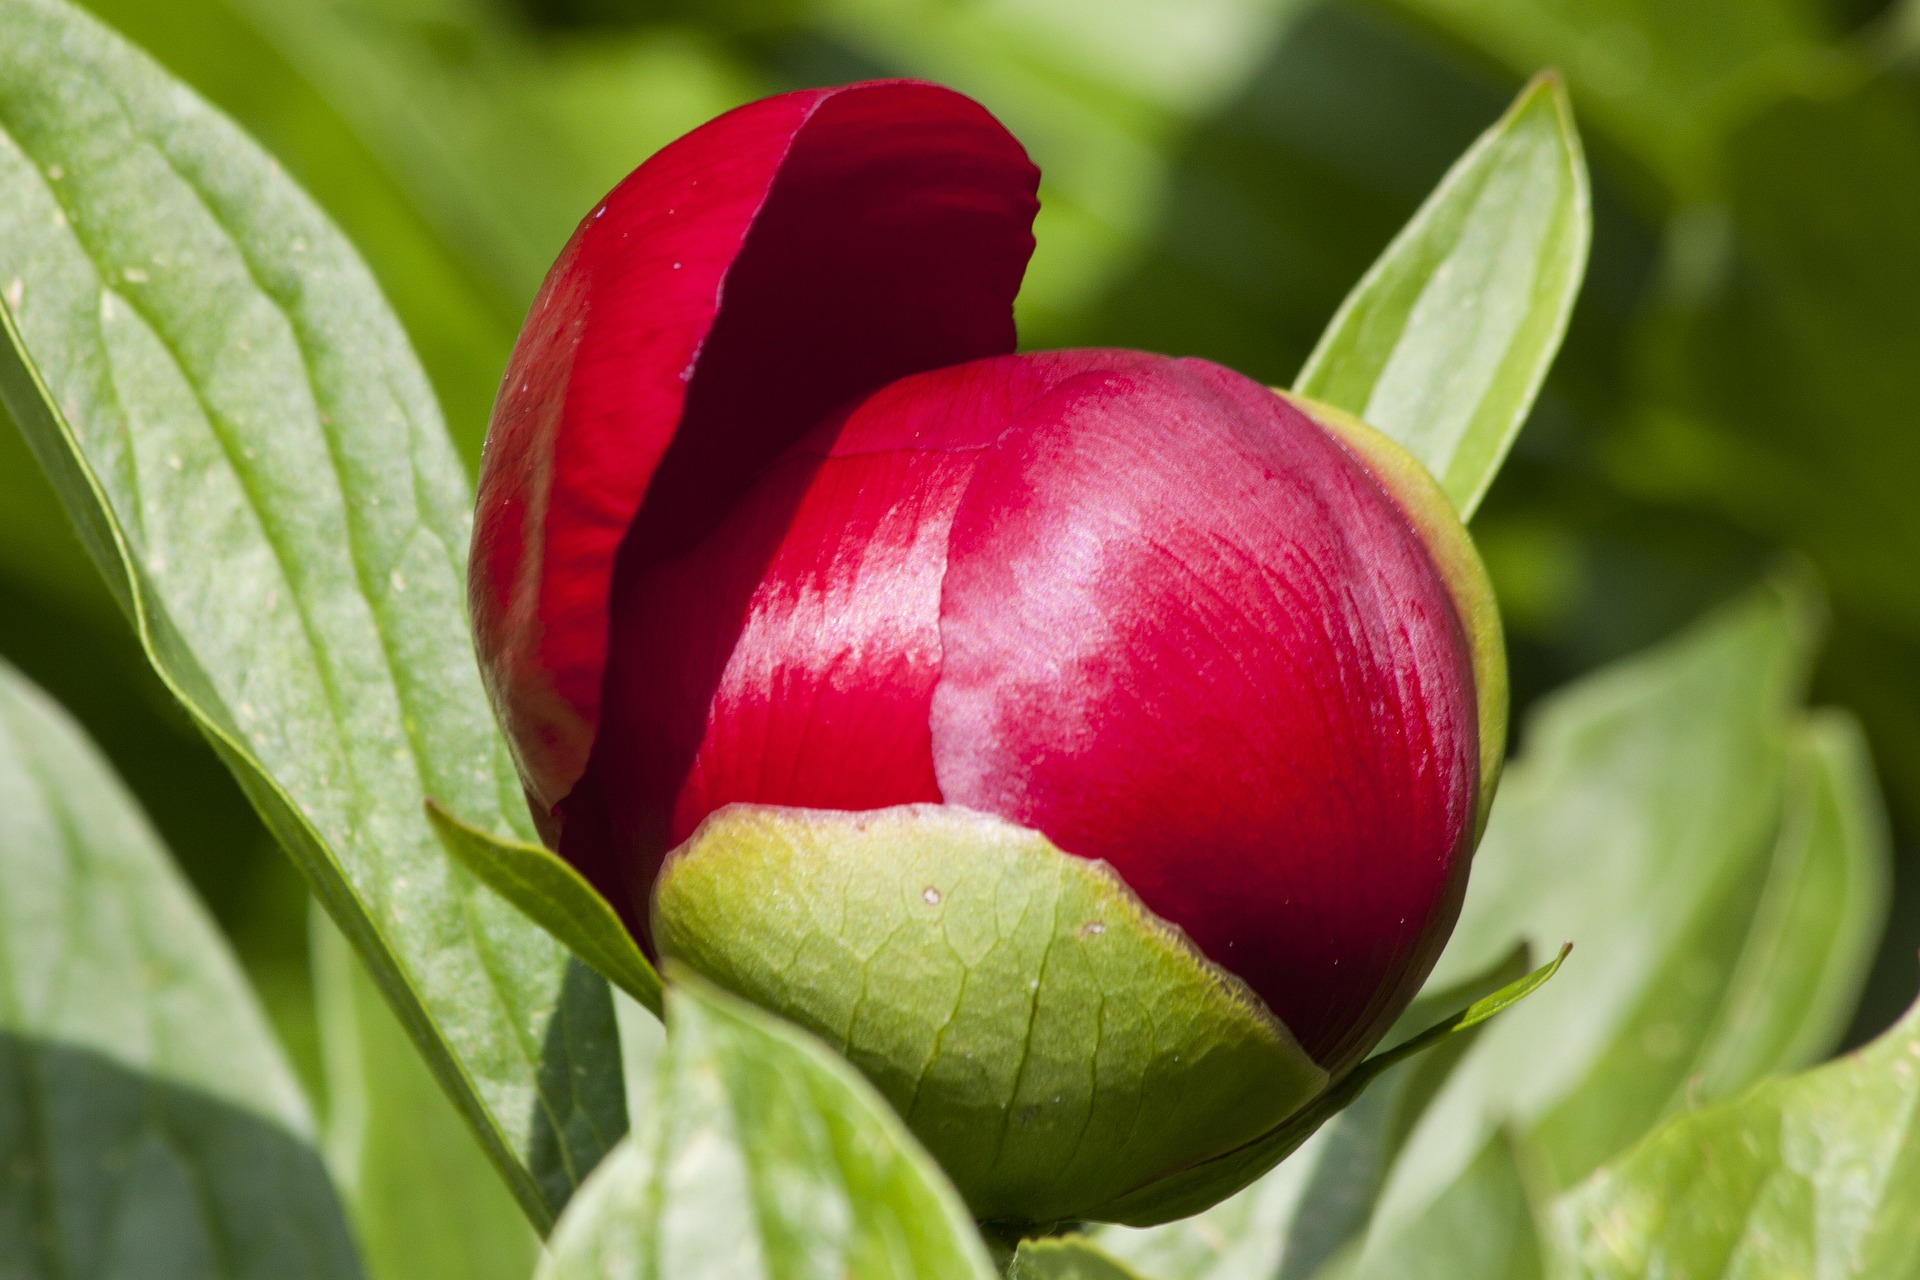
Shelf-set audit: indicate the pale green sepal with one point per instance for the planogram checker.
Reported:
(1067, 1258)
(1191, 1190)
(762, 1156)
(1427, 508)
(1053, 1043)
(1446, 340)
(555, 897)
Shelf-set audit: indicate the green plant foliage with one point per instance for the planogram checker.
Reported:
(1019, 1007)
(1665, 77)
(1486, 1225)
(1824, 903)
(763, 1155)
(505, 143)
(557, 898)
(149, 1126)
(460, 322)
(1780, 389)
(1814, 1175)
(235, 422)
(1067, 1258)
(1661, 817)
(426, 1202)
(1101, 95)
(1446, 341)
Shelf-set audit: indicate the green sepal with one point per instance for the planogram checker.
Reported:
(557, 898)
(1053, 1043)
(1191, 1190)
(1432, 515)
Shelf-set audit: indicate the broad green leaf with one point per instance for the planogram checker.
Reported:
(461, 324)
(764, 1156)
(237, 426)
(1444, 343)
(1317, 1200)
(557, 898)
(1068, 1258)
(149, 1127)
(1814, 1175)
(1642, 821)
(427, 1203)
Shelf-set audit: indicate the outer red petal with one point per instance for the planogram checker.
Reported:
(1184, 630)
(741, 283)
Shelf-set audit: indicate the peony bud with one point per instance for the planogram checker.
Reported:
(840, 648)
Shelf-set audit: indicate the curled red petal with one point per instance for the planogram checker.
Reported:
(1184, 630)
(736, 287)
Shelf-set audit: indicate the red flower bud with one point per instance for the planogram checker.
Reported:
(769, 515)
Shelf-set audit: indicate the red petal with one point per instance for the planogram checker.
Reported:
(1185, 631)
(791, 658)
(736, 287)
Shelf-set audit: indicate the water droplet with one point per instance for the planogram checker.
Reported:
(932, 896)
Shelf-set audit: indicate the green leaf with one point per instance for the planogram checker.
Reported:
(1068, 1258)
(1444, 343)
(237, 426)
(764, 1155)
(1819, 918)
(1488, 1226)
(1193, 1189)
(427, 1204)
(557, 898)
(1019, 1007)
(1817, 1174)
(149, 1125)
(1317, 1200)
(1644, 821)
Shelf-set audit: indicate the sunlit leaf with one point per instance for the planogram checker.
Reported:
(1814, 1175)
(1445, 342)
(764, 1154)
(149, 1126)
(239, 429)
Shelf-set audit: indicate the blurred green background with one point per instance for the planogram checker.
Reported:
(1742, 381)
